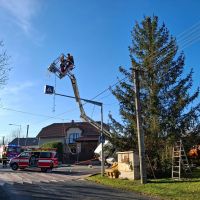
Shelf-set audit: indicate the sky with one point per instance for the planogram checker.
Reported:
(97, 33)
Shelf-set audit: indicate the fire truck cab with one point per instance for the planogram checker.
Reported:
(46, 160)
(10, 150)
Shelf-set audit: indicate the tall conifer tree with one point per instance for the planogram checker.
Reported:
(168, 112)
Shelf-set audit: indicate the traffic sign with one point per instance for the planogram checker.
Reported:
(48, 89)
(102, 139)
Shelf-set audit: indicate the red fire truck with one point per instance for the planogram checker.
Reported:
(44, 159)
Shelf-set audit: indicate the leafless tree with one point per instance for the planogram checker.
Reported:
(4, 68)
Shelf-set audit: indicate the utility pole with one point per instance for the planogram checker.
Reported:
(27, 129)
(140, 133)
(3, 141)
(50, 90)
(102, 142)
(20, 127)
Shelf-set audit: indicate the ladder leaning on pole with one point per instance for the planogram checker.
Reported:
(180, 161)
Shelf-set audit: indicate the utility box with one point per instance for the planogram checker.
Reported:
(128, 165)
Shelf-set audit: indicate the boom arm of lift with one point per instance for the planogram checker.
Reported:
(54, 69)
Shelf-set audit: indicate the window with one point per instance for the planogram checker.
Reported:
(54, 155)
(24, 155)
(73, 137)
(36, 154)
(14, 149)
(45, 154)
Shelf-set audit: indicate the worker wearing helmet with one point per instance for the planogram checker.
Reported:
(4, 159)
(70, 62)
(63, 64)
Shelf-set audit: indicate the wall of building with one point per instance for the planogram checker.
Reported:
(80, 151)
(87, 150)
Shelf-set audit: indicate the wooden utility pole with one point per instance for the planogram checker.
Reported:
(27, 129)
(3, 140)
(140, 133)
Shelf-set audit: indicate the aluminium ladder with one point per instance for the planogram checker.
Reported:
(179, 161)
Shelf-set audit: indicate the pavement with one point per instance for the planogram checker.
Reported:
(64, 183)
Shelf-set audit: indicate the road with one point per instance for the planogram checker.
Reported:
(65, 183)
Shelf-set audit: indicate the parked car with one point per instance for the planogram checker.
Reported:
(46, 160)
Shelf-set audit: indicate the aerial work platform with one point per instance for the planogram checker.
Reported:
(56, 67)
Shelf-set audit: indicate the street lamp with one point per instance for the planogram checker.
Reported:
(50, 90)
(18, 132)
(77, 154)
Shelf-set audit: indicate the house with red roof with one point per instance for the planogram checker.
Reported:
(79, 139)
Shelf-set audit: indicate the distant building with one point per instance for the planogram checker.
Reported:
(78, 138)
(25, 142)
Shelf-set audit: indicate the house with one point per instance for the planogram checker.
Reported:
(79, 139)
(25, 142)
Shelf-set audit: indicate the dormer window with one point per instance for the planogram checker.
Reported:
(72, 137)
(73, 134)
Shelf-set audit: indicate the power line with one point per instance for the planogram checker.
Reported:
(107, 89)
(29, 113)
(54, 96)
(185, 38)
(192, 28)
(56, 117)
(182, 35)
(75, 108)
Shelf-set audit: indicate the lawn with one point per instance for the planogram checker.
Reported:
(163, 188)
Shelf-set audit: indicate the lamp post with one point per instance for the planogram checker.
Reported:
(26, 135)
(77, 155)
(18, 132)
(101, 136)
(50, 90)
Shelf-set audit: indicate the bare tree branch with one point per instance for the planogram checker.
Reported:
(4, 66)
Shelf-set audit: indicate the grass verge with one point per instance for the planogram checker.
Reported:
(186, 189)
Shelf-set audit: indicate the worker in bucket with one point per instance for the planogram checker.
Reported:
(70, 62)
(63, 64)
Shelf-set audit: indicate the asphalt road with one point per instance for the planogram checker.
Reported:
(65, 183)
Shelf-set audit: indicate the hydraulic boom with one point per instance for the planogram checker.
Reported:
(55, 69)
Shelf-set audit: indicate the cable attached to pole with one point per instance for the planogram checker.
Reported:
(54, 96)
